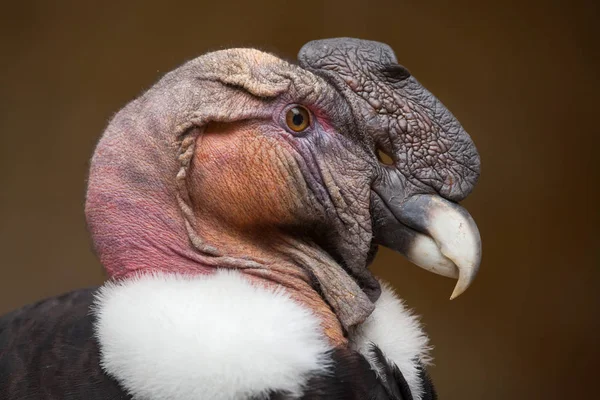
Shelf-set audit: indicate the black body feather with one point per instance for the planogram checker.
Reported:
(48, 351)
(353, 378)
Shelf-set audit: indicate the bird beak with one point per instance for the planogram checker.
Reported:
(433, 233)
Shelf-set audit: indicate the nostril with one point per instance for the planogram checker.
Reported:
(384, 157)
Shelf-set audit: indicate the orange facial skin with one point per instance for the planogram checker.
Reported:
(253, 199)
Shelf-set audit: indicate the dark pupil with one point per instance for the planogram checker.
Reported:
(297, 119)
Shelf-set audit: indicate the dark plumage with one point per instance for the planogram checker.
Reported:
(48, 351)
(353, 378)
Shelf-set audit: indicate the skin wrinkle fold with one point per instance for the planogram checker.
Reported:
(340, 297)
(330, 196)
(342, 206)
(323, 196)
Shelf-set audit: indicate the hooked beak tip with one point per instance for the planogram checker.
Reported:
(436, 234)
(462, 285)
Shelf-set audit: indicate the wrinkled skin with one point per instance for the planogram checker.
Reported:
(429, 147)
(201, 172)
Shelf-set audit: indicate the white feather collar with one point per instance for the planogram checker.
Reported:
(219, 337)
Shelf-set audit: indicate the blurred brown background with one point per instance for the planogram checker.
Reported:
(520, 76)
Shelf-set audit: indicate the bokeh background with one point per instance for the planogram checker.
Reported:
(520, 76)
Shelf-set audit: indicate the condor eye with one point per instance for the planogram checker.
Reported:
(297, 118)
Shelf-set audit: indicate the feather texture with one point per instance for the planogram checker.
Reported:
(48, 351)
(353, 378)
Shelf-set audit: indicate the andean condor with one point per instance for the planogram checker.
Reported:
(236, 206)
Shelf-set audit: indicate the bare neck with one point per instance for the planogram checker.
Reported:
(308, 273)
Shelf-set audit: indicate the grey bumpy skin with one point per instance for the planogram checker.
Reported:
(428, 145)
(435, 162)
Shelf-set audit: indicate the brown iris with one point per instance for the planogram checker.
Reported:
(297, 118)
